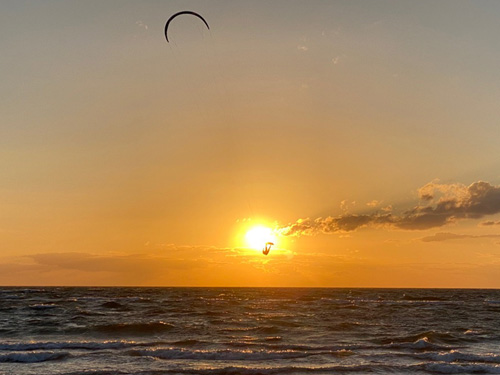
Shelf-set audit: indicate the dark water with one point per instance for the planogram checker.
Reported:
(248, 331)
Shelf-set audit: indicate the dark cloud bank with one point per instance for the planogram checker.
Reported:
(441, 204)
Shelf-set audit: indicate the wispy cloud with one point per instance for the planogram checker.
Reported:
(438, 237)
(337, 59)
(171, 265)
(119, 263)
(373, 203)
(490, 223)
(441, 204)
(141, 24)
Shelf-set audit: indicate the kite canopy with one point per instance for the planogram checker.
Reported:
(180, 13)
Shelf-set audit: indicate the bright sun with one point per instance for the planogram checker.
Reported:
(257, 237)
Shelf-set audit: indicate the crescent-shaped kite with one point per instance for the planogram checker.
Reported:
(183, 12)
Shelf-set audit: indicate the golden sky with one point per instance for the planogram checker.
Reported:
(364, 134)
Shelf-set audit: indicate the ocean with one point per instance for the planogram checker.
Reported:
(230, 331)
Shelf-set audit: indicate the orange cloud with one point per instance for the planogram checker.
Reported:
(438, 237)
(444, 204)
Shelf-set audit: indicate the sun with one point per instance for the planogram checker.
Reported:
(258, 236)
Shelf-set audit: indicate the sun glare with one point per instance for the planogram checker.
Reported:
(257, 237)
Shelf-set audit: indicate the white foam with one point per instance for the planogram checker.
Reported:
(471, 332)
(421, 344)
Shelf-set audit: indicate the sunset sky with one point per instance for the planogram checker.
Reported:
(364, 134)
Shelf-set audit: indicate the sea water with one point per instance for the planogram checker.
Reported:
(248, 331)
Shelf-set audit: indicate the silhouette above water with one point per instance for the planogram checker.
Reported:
(267, 248)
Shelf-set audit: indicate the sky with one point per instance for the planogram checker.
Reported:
(361, 135)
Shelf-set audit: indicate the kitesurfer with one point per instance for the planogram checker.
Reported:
(267, 248)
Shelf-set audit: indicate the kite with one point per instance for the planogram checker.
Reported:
(180, 13)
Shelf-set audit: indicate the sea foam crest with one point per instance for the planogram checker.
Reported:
(455, 355)
(420, 344)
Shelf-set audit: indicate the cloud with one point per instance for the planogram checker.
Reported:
(337, 59)
(302, 48)
(438, 237)
(118, 263)
(346, 206)
(373, 203)
(343, 223)
(456, 202)
(490, 223)
(434, 189)
(176, 266)
(441, 204)
(141, 24)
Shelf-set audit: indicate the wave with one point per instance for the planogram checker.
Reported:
(43, 306)
(369, 368)
(230, 355)
(266, 329)
(134, 328)
(492, 301)
(242, 370)
(270, 330)
(237, 370)
(409, 297)
(455, 355)
(32, 357)
(434, 337)
(4, 296)
(420, 344)
(80, 313)
(188, 342)
(280, 346)
(285, 323)
(246, 332)
(345, 326)
(273, 338)
(78, 345)
(437, 368)
(112, 305)
(448, 368)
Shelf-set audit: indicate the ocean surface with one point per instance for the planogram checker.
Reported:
(248, 331)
